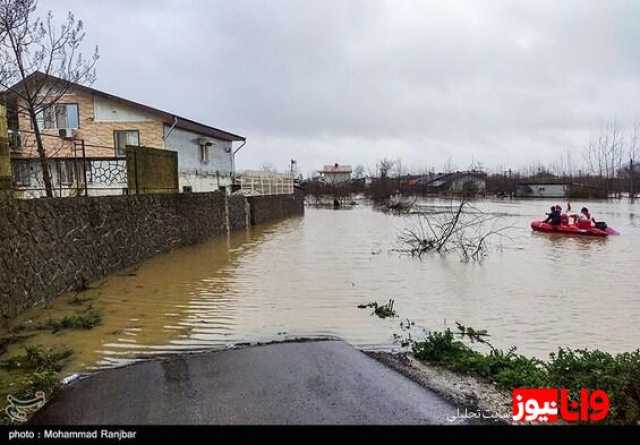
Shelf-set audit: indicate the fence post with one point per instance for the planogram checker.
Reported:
(6, 178)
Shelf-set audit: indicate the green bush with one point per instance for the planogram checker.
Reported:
(86, 320)
(39, 359)
(506, 369)
(46, 381)
(618, 375)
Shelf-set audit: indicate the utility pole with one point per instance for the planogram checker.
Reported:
(293, 168)
(6, 179)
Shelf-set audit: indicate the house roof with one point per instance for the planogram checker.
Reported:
(168, 118)
(444, 178)
(335, 168)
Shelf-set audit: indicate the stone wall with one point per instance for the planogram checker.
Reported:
(239, 217)
(49, 246)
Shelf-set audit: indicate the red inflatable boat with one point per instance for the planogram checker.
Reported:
(571, 229)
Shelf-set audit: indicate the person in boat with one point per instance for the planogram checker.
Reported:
(584, 219)
(564, 216)
(554, 217)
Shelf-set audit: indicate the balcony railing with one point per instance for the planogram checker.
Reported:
(266, 185)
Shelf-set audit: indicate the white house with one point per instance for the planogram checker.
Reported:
(335, 174)
(542, 189)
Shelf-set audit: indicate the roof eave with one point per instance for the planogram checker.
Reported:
(167, 117)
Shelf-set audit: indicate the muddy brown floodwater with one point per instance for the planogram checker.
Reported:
(306, 276)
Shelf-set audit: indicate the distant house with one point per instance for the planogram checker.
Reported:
(473, 182)
(335, 174)
(543, 188)
(102, 125)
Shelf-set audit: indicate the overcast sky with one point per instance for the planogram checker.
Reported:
(505, 83)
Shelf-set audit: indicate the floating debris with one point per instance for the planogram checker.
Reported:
(382, 311)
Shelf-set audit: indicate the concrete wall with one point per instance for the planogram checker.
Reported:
(269, 208)
(49, 246)
(106, 110)
(193, 172)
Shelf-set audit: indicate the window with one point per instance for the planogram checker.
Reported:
(187, 189)
(122, 138)
(204, 153)
(15, 142)
(66, 172)
(22, 173)
(58, 116)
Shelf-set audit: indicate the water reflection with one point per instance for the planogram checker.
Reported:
(306, 276)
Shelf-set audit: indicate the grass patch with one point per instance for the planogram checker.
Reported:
(82, 320)
(46, 381)
(38, 359)
(382, 311)
(11, 338)
(37, 369)
(618, 375)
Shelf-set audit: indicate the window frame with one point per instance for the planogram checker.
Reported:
(41, 117)
(24, 167)
(115, 141)
(205, 155)
(68, 167)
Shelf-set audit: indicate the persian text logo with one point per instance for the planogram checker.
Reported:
(19, 410)
(550, 404)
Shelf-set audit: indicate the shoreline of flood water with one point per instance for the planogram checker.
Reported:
(306, 277)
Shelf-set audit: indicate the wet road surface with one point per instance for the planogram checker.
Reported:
(311, 382)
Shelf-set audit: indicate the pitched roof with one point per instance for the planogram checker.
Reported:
(169, 118)
(335, 168)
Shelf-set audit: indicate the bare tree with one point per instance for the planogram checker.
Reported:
(398, 168)
(633, 147)
(359, 172)
(384, 168)
(459, 227)
(632, 154)
(38, 64)
(449, 166)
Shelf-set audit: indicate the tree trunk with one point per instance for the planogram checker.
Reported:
(46, 178)
(6, 179)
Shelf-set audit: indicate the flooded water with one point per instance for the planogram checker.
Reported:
(306, 276)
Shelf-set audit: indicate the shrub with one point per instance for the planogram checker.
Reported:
(39, 359)
(86, 320)
(618, 375)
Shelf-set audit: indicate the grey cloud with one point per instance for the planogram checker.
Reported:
(503, 82)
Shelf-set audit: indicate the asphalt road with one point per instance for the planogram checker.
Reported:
(315, 382)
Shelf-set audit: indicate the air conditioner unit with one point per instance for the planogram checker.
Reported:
(67, 133)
